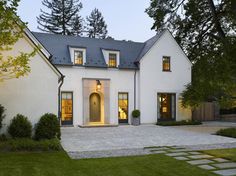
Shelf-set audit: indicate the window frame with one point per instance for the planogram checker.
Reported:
(78, 50)
(115, 54)
(123, 120)
(72, 117)
(169, 59)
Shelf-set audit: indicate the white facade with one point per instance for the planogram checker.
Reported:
(150, 80)
(34, 94)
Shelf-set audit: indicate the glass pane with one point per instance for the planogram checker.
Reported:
(78, 57)
(66, 107)
(123, 106)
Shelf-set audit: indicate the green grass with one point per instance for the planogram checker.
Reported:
(178, 123)
(59, 164)
(229, 132)
(223, 153)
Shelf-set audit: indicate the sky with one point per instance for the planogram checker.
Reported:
(125, 19)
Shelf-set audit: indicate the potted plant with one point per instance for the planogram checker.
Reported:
(136, 117)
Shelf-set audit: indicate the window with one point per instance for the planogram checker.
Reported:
(123, 106)
(166, 63)
(166, 106)
(112, 60)
(78, 57)
(67, 108)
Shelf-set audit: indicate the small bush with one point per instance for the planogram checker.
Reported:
(228, 132)
(48, 127)
(3, 137)
(178, 123)
(136, 113)
(2, 110)
(20, 127)
(26, 144)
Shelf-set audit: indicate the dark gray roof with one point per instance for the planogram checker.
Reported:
(58, 46)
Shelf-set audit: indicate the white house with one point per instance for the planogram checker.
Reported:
(106, 79)
(35, 94)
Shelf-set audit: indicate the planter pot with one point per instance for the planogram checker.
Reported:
(136, 121)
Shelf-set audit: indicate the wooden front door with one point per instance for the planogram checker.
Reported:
(95, 107)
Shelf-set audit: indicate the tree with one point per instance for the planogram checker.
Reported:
(11, 30)
(206, 31)
(63, 17)
(96, 25)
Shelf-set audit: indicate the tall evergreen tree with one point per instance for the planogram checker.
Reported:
(96, 26)
(206, 29)
(63, 17)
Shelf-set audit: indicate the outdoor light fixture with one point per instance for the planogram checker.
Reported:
(99, 85)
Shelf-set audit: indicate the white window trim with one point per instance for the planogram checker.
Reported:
(72, 54)
(106, 56)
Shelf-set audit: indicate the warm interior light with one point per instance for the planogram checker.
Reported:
(99, 85)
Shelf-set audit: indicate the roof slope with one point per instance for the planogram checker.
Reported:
(130, 52)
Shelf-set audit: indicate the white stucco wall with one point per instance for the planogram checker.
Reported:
(32, 95)
(120, 81)
(153, 80)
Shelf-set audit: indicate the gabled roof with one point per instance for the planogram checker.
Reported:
(58, 46)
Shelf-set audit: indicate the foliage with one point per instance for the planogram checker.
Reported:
(178, 123)
(48, 127)
(3, 137)
(136, 113)
(2, 115)
(229, 132)
(20, 127)
(25, 144)
(59, 164)
(206, 31)
(17, 65)
(63, 17)
(96, 25)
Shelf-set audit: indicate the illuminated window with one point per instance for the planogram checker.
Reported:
(166, 63)
(78, 55)
(123, 106)
(112, 60)
(66, 108)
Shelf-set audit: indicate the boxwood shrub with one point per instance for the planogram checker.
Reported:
(178, 123)
(20, 127)
(228, 132)
(48, 127)
(136, 113)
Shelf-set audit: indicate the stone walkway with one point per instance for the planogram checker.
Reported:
(218, 166)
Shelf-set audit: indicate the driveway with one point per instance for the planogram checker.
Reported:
(92, 140)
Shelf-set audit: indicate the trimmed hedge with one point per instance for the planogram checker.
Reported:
(228, 132)
(25, 144)
(178, 123)
(48, 127)
(20, 127)
(2, 110)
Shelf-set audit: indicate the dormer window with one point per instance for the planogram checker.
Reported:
(112, 62)
(78, 57)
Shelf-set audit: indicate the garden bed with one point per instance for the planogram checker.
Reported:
(178, 123)
(228, 132)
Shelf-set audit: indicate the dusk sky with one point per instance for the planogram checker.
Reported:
(126, 19)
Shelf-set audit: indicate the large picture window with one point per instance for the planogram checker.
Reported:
(67, 108)
(123, 107)
(112, 60)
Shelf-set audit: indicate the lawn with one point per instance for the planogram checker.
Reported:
(59, 164)
(223, 153)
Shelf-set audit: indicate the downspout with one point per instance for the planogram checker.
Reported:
(61, 81)
(135, 73)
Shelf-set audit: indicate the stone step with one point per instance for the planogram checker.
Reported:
(227, 172)
(225, 165)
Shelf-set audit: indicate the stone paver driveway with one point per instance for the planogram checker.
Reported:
(130, 137)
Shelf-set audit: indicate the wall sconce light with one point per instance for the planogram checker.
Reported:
(99, 85)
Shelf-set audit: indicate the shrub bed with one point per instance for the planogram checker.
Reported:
(25, 144)
(228, 132)
(178, 123)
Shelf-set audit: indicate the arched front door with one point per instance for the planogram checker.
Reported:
(95, 107)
